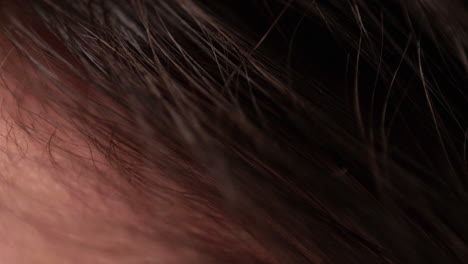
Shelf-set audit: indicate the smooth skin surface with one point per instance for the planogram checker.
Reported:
(61, 200)
(53, 206)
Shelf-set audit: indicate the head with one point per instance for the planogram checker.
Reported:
(186, 131)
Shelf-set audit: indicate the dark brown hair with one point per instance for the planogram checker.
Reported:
(317, 131)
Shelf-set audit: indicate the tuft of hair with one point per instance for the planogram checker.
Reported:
(328, 131)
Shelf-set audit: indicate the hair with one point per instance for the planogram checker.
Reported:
(304, 131)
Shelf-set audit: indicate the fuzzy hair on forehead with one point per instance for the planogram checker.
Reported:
(264, 131)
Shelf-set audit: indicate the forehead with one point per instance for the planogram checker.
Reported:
(60, 199)
(54, 208)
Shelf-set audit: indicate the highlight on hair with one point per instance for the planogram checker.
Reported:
(286, 131)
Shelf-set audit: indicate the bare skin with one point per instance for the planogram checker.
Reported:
(61, 201)
(54, 208)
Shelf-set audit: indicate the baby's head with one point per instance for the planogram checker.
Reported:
(268, 132)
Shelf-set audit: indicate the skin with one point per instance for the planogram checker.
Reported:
(53, 206)
(62, 201)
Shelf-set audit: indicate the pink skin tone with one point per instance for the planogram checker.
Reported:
(53, 208)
